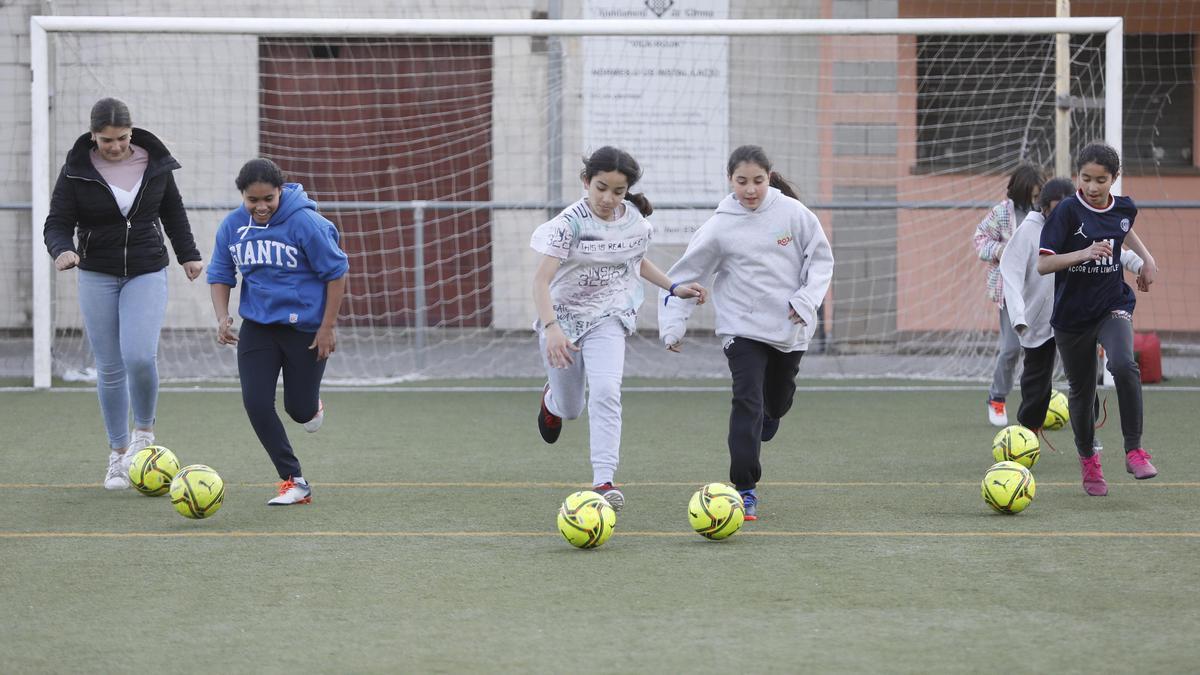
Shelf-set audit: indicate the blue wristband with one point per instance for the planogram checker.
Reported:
(670, 293)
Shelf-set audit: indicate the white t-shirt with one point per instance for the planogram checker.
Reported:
(599, 274)
(124, 177)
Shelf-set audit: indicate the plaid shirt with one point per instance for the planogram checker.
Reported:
(991, 236)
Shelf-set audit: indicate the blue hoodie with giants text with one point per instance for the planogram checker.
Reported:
(284, 264)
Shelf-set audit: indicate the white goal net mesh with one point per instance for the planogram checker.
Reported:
(437, 157)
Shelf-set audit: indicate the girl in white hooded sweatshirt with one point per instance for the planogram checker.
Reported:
(771, 265)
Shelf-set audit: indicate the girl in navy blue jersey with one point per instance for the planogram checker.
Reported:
(293, 277)
(1081, 244)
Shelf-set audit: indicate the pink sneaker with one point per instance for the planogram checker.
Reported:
(1093, 476)
(1137, 462)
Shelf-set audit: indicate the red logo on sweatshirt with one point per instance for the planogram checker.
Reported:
(784, 240)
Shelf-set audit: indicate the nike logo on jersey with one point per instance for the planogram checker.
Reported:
(1080, 231)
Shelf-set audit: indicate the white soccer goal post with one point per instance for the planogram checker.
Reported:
(437, 146)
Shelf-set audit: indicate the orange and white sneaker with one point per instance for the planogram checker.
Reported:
(292, 491)
(997, 415)
(315, 423)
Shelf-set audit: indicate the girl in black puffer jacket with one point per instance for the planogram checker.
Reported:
(114, 206)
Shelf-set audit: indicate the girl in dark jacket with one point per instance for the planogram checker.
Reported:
(114, 205)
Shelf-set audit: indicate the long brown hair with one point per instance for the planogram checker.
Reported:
(756, 155)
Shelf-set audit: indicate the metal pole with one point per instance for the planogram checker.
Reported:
(39, 163)
(1062, 96)
(554, 111)
(419, 284)
(1114, 86)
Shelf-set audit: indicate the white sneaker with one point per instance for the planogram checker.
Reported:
(997, 415)
(139, 440)
(315, 423)
(117, 475)
(291, 492)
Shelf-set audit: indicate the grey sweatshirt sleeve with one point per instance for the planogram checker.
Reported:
(698, 263)
(817, 269)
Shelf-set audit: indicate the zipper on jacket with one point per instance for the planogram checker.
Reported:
(128, 219)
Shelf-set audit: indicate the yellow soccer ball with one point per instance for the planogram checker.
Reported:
(151, 470)
(715, 511)
(585, 519)
(197, 491)
(1058, 414)
(1015, 443)
(1008, 487)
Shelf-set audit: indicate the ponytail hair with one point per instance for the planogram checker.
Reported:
(641, 202)
(754, 154)
(609, 158)
(780, 183)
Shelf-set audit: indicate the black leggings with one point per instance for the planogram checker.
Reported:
(1036, 385)
(1078, 352)
(263, 351)
(764, 383)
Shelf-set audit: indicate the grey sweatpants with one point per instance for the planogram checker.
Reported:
(1078, 352)
(599, 364)
(1006, 360)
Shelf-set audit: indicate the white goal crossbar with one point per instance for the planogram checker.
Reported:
(40, 26)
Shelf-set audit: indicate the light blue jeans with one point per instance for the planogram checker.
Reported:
(123, 317)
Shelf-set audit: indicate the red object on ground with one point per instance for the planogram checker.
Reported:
(1147, 351)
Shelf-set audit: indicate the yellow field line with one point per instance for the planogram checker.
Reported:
(621, 533)
(578, 486)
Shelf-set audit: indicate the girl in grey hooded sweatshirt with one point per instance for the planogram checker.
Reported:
(770, 265)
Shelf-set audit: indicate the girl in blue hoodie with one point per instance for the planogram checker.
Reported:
(771, 265)
(293, 278)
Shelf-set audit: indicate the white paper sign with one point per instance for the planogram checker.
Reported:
(665, 100)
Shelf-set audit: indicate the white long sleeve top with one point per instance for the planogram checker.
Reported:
(1028, 295)
(761, 263)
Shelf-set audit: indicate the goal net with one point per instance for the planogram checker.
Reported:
(438, 146)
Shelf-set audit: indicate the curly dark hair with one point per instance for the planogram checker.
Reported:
(1099, 153)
